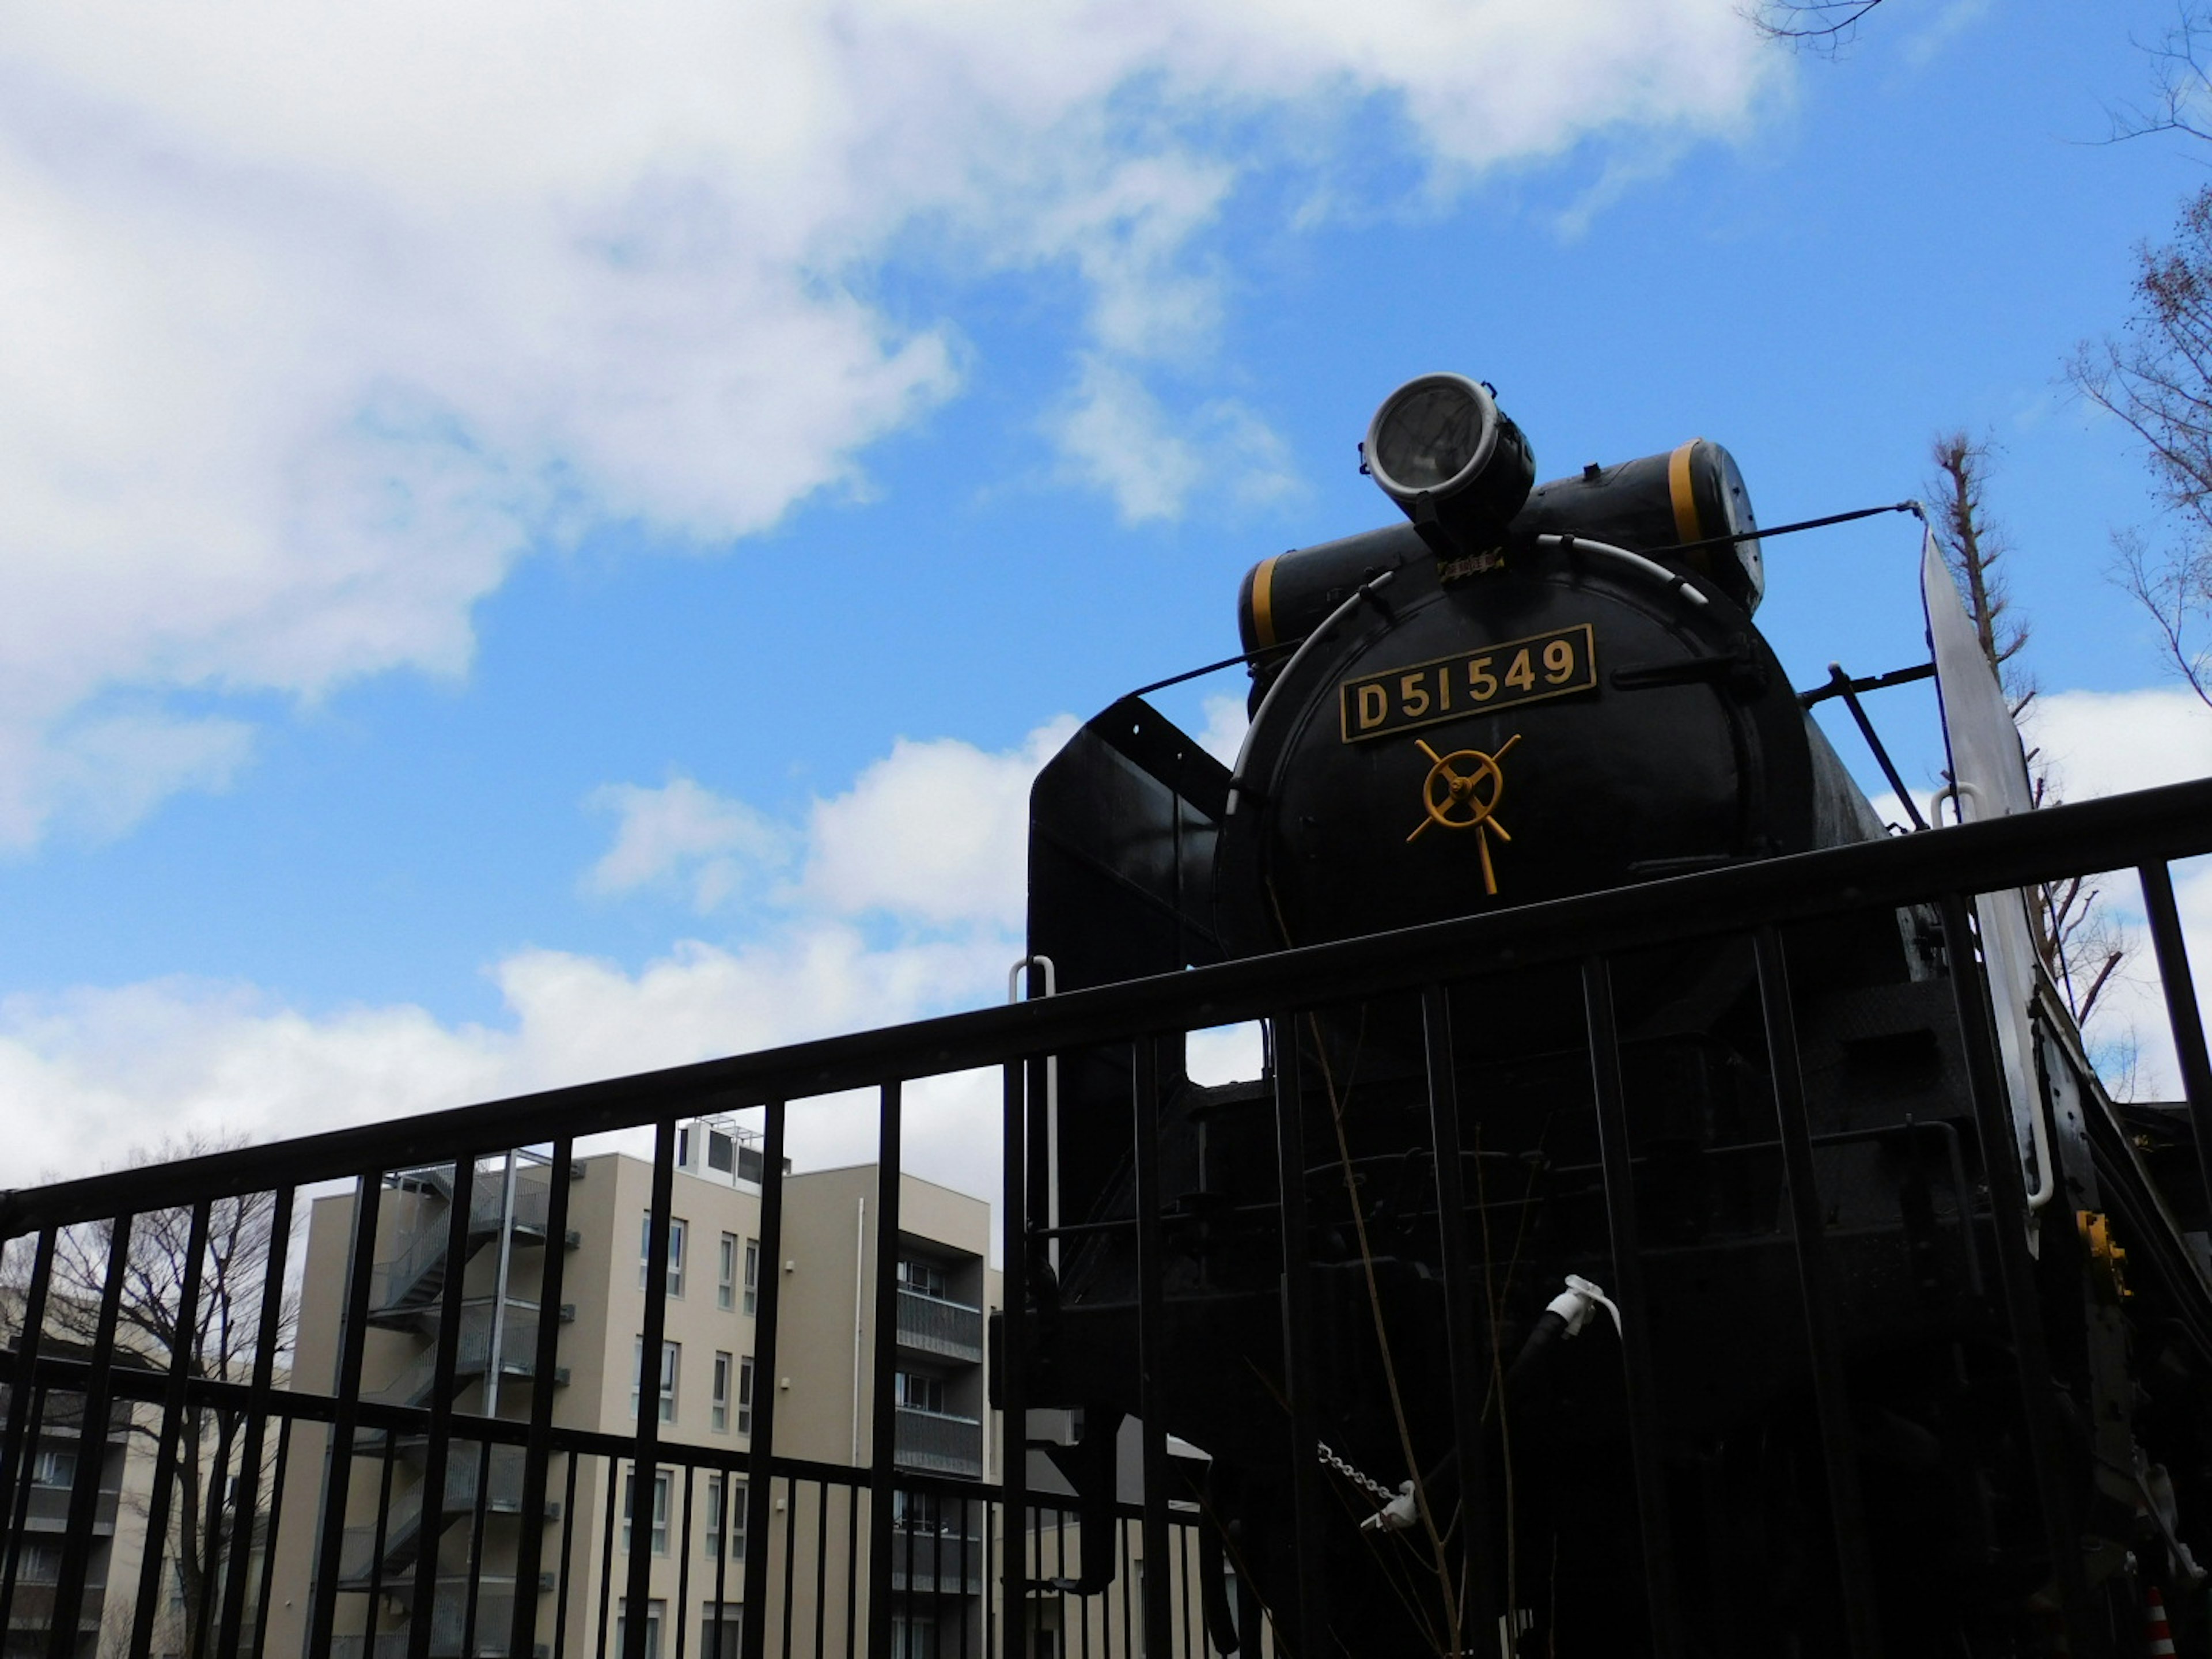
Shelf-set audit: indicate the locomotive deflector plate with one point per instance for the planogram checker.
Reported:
(1559, 664)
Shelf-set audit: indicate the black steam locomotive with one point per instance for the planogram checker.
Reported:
(1527, 692)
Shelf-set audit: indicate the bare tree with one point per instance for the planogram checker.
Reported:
(2179, 80)
(219, 1340)
(2081, 948)
(2157, 379)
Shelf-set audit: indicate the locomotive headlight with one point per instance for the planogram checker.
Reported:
(1442, 449)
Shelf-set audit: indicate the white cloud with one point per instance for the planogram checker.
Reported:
(317, 317)
(1226, 722)
(685, 834)
(936, 833)
(90, 1073)
(2100, 743)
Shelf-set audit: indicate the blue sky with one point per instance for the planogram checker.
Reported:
(544, 542)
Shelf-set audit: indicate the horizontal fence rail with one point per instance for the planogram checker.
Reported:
(2149, 827)
(448, 1386)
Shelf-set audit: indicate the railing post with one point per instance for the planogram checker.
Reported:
(1479, 1614)
(2183, 1015)
(1641, 1371)
(322, 1612)
(23, 1392)
(92, 1450)
(1831, 1392)
(645, 1456)
(883, 1439)
(438, 1445)
(1013, 1367)
(1151, 1346)
(537, 1455)
(1310, 1608)
(183, 1341)
(246, 1511)
(2015, 1265)
(760, 1449)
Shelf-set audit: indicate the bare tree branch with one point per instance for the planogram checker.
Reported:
(2156, 378)
(1825, 25)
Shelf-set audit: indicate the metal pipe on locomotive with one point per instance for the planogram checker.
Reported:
(1414, 1429)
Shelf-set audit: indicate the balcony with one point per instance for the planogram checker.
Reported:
(448, 1626)
(947, 1330)
(928, 1562)
(47, 1509)
(939, 1443)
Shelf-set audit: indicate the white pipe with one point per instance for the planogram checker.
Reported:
(1650, 568)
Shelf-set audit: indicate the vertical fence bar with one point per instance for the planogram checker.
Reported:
(1816, 1282)
(1306, 1511)
(379, 1543)
(2015, 1265)
(790, 1559)
(760, 1449)
(724, 1494)
(472, 1592)
(268, 1333)
(437, 1447)
(1013, 1365)
(1610, 1099)
(684, 1561)
(220, 1554)
(883, 1416)
(821, 1569)
(1151, 1346)
(267, 1587)
(1469, 1377)
(183, 1342)
(852, 1569)
(570, 1539)
(607, 1547)
(538, 1452)
(23, 1394)
(645, 1475)
(92, 1450)
(2183, 1015)
(337, 1475)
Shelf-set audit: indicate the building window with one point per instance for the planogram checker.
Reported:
(718, 1415)
(752, 1277)
(671, 1355)
(921, 1393)
(656, 1613)
(726, 1283)
(736, 1516)
(745, 1395)
(676, 1230)
(721, 1631)
(54, 1466)
(39, 1564)
(662, 1479)
(913, 1638)
(927, 1277)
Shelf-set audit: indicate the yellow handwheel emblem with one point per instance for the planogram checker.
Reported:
(1448, 793)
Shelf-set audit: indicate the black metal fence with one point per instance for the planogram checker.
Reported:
(278, 1511)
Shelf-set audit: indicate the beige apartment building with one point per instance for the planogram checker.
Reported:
(708, 1389)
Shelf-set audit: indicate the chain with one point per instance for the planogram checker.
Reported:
(1382, 1493)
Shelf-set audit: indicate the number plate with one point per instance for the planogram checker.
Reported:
(1553, 665)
